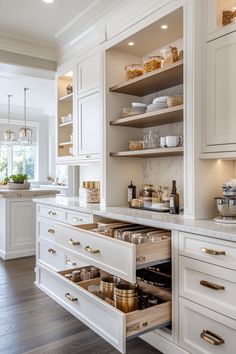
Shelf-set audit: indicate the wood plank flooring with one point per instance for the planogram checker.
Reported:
(31, 322)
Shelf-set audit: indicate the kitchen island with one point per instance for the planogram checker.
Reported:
(203, 272)
(17, 221)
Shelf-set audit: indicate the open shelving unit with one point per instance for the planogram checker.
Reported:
(149, 119)
(160, 152)
(67, 98)
(157, 80)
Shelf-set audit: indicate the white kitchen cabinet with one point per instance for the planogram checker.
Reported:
(89, 115)
(219, 124)
(205, 331)
(89, 72)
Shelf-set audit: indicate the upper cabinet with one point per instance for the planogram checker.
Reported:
(89, 75)
(219, 89)
(220, 18)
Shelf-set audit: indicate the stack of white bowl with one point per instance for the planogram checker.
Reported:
(138, 108)
(158, 103)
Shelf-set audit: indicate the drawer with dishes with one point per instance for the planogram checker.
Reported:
(215, 251)
(115, 309)
(208, 285)
(116, 247)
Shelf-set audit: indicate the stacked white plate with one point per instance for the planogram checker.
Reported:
(157, 103)
(138, 108)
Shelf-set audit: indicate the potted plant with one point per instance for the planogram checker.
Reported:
(18, 181)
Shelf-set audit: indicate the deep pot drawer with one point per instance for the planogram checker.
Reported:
(209, 285)
(111, 255)
(51, 255)
(51, 212)
(222, 253)
(205, 331)
(110, 323)
(76, 218)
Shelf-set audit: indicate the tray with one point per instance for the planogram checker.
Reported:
(166, 210)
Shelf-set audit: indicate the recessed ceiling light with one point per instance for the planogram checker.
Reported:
(69, 74)
(164, 27)
(131, 43)
(48, 1)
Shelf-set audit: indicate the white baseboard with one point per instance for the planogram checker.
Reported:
(162, 344)
(16, 254)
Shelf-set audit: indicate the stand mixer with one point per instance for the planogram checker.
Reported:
(226, 205)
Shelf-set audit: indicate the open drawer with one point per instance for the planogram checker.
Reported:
(112, 255)
(106, 320)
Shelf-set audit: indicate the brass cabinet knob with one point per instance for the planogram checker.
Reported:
(73, 242)
(51, 231)
(212, 286)
(53, 213)
(70, 297)
(52, 251)
(213, 252)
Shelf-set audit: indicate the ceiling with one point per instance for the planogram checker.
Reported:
(36, 21)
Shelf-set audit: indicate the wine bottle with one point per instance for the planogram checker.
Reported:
(174, 199)
(131, 192)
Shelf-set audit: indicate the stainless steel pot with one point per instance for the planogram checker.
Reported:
(226, 206)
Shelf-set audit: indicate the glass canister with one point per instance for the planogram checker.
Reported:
(133, 70)
(152, 63)
(147, 190)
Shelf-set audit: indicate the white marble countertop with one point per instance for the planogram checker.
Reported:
(149, 218)
(24, 193)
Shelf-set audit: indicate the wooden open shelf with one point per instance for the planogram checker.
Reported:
(157, 80)
(150, 119)
(160, 152)
(66, 143)
(65, 124)
(67, 98)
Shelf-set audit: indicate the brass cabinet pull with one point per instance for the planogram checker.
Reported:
(213, 252)
(71, 262)
(52, 213)
(91, 250)
(73, 242)
(210, 285)
(211, 337)
(52, 251)
(70, 297)
(51, 231)
(77, 219)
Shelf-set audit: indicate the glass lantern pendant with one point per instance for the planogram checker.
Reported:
(9, 135)
(25, 133)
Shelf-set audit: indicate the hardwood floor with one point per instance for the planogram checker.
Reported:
(31, 322)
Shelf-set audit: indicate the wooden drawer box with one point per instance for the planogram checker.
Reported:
(222, 253)
(205, 331)
(209, 285)
(111, 255)
(51, 212)
(109, 322)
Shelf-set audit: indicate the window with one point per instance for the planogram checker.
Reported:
(18, 158)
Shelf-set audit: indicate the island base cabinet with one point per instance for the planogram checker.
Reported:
(106, 320)
(205, 331)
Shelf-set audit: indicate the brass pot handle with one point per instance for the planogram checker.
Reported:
(52, 213)
(70, 297)
(210, 285)
(52, 251)
(211, 337)
(51, 231)
(91, 250)
(73, 242)
(213, 252)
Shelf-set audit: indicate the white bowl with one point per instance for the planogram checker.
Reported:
(138, 104)
(162, 99)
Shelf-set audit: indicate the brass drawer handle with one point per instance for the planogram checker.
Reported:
(52, 251)
(210, 285)
(73, 242)
(53, 213)
(91, 250)
(69, 262)
(212, 338)
(213, 252)
(51, 231)
(70, 297)
(77, 219)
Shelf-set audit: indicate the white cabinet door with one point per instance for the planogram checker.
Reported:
(219, 123)
(89, 111)
(89, 74)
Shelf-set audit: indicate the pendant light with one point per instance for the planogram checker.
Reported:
(9, 135)
(25, 133)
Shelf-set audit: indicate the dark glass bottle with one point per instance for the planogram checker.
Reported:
(131, 192)
(174, 199)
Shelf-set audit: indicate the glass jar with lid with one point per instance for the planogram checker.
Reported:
(147, 190)
(133, 71)
(152, 63)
